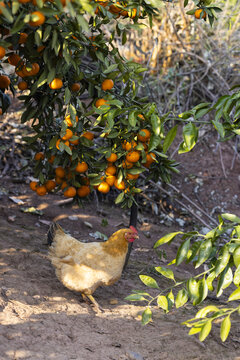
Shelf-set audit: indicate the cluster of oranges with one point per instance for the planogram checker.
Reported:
(117, 9)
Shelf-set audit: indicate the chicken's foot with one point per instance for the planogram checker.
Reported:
(97, 307)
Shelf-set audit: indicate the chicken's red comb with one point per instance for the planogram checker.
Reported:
(133, 229)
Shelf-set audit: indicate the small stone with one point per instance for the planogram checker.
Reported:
(113, 301)
(133, 355)
(73, 218)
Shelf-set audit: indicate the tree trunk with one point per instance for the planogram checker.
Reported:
(133, 222)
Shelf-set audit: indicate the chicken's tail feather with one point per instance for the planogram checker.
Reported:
(52, 231)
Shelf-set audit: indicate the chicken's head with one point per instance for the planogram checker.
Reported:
(131, 234)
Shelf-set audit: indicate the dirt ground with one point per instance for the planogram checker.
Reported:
(40, 319)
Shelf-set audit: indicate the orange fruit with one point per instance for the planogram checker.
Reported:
(67, 135)
(50, 185)
(39, 156)
(41, 190)
(22, 85)
(35, 69)
(40, 48)
(3, 5)
(151, 157)
(56, 84)
(4, 81)
(110, 180)
(111, 170)
(60, 172)
(1, 111)
(129, 145)
(133, 156)
(132, 177)
(69, 121)
(144, 135)
(51, 159)
(198, 13)
(58, 180)
(58, 143)
(88, 135)
(70, 192)
(81, 167)
(38, 18)
(112, 158)
(119, 186)
(126, 164)
(107, 84)
(132, 13)
(75, 87)
(141, 116)
(100, 102)
(83, 191)
(14, 59)
(2, 52)
(103, 187)
(24, 1)
(33, 185)
(64, 185)
(22, 38)
(74, 142)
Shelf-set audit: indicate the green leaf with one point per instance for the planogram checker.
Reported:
(182, 298)
(225, 328)
(168, 273)
(135, 297)
(110, 68)
(222, 261)
(119, 198)
(204, 252)
(236, 278)
(193, 289)
(205, 311)
(149, 281)
(219, 127)
(132, 118)
(231, 217)
(236, 256)
(167, 238)
(146, 316)
(190, 135)
(225, 280)
(182, 251)
(156, 124)
(169, 138)
(235, 295)
(162, 302)
(210, 279)
(194, 330)
(205, 330)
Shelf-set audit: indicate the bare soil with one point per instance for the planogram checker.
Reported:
(40, 319)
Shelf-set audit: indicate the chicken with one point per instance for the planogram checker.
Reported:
(83, 267)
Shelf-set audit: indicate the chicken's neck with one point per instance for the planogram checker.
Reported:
(116, 245)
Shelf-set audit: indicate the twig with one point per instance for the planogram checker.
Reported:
(235, 152)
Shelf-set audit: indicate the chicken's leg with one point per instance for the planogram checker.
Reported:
(86, 298)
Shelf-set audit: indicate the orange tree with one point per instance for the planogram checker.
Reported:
(92, 130)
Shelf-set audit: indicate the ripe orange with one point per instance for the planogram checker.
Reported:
(126, 164)
(132, 13)
(144, 135)
(132, 177)
(110, 180)
(50, 185)
(107, 84)
(60, 172)
(1, 111)
(74, 142)
(56, 84)
(88, 135)
(35, 69)
(51, 159)
(58, 143)
(22, 38)
(39, 156)
(41, 190)
(40, 48)
(119, 186)
(70, 192)
(14, 59)
(67, 135)
(151, 157)
(129, 145)
(38, 18)
(75, 87)
(69, 121)
(81, 167)
(198, 13)
(4, 81)
(2, 52)
(64, 185)
(111, 170)
(133, 156)
(103, 187)
(141, 116)
(33, 185)
(83, 191)
(58, 180)
(112, 158)
(22, 85)
(24, 1)
(3, 5)
(100, 102)
(85, 180)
